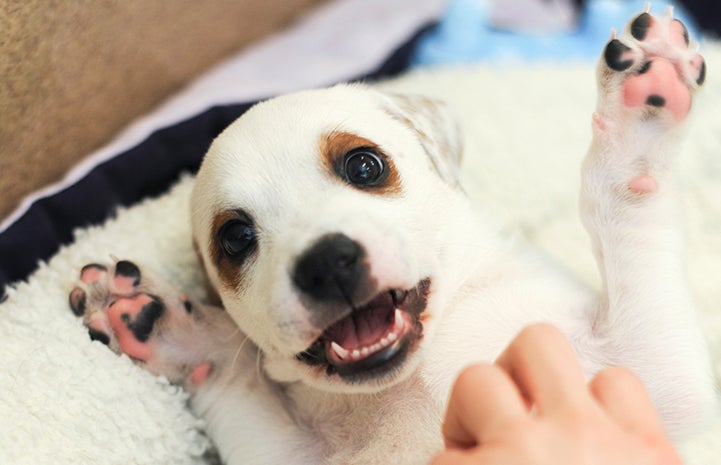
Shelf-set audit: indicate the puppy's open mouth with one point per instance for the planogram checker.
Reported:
(374, 338)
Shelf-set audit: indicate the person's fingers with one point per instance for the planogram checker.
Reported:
(484, 399)
(542, 363)
(622, 396)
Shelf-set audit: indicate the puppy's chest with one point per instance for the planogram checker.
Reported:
(398, 423)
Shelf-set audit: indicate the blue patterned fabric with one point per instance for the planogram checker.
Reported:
(465, 34)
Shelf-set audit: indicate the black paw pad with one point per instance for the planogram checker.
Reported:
(613, 56)
(656, 101)
(98, 336)
(640, 26)
(77, 301)
(701, 74)
(142, 325)
(128, 269)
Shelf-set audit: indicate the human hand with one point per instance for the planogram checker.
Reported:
(533, 407)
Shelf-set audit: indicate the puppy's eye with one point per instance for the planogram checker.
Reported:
(237, 238)
(363, 167)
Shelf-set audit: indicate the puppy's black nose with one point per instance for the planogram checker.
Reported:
(331, 269)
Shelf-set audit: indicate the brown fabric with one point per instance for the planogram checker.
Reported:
(72, 73)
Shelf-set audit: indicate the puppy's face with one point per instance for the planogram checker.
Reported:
(325, 221)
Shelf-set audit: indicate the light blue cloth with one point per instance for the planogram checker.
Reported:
(465, 34)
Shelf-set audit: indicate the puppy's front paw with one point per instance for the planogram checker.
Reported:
(647, 78)
(651, 69)
(134, 312)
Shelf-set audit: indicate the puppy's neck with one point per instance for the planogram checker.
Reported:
(346, 420)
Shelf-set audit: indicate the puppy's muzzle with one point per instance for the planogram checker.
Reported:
(367, 330)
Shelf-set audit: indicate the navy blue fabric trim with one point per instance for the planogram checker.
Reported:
(146, 170)
(707, 14)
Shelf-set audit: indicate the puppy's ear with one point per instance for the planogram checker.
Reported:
(437, 129)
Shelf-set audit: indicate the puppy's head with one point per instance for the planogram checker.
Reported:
(326, 221)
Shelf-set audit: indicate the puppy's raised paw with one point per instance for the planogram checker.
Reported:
(647, 78)
(134, 312)
(651, 69)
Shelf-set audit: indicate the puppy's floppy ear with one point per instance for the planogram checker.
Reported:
(437, 129)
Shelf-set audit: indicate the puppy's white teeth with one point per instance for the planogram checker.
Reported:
(398, 322)
(339, 351)
(392, 334)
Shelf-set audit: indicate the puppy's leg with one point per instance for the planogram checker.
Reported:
(199, 347)
(631, 209)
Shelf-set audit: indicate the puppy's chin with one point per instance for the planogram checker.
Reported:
(370, 348)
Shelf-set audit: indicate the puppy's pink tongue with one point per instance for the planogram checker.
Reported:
(364, 333)
(361, 328)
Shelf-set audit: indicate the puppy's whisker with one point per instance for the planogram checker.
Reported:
(257, 365)
(232, 336)
(239, 349)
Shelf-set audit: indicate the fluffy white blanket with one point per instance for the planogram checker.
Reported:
(67, 400)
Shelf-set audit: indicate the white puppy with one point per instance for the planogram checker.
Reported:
(332, 227)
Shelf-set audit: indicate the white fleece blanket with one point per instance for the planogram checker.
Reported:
(67, 400)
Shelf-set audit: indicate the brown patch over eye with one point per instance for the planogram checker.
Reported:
(359, 162)
(232, 242)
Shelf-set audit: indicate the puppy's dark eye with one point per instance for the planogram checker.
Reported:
(363, 167)
(237, 238)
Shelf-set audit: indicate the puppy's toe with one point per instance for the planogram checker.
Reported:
(127, 276)
(78, 301)
(92, 273)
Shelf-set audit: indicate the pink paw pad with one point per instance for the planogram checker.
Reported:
(658, 86)
(660, 67)
(200, 373)
(132, 320)
(643, 185)
(92, 273)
